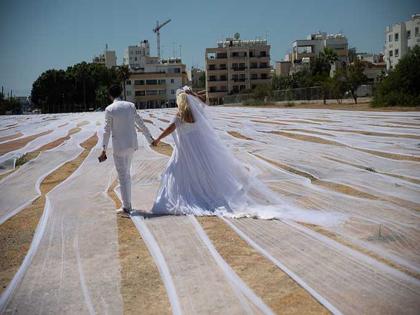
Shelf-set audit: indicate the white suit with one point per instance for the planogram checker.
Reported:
(121, 119)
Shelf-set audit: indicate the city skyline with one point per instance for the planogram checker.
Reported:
(44, 35)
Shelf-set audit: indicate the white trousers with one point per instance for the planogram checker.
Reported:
(123, 166)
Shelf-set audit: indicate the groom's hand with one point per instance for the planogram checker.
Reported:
(102, 157)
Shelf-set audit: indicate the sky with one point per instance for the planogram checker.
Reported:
(37, 35)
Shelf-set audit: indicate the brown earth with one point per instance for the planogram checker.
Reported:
(11, 137)
(392, 156)
(33, 154)
(364, 106)
(20, 143)
(16, 233)
(239, 135)
(281, 293)
(142, 289)
(339, 239)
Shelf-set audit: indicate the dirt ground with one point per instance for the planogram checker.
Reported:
(33, 154)
(11, 137)
(362, 106)
(281, 293)
(16, 233)
(20, 143)
(141, 285)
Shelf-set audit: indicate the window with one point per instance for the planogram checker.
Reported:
(138, 82)
(172, 92)
(135, 58)
(416, 31)
(172, 81)
(162, 81)
(151, 82)
(390, 53)
(128, 82)
(152, 92)
(139, 93)
(408, 34)
(162, 92)
(263, 75)
(396, 52)
(254, 65)
(389, 38)
(396, 37)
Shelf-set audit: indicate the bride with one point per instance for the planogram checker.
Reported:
(203, 177)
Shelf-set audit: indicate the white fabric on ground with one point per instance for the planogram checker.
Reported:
(75, 268)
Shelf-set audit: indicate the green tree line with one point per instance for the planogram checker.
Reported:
(81, 87)
(9, 105)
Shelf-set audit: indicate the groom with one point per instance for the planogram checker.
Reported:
(121, 119)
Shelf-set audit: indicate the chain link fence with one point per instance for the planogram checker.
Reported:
(298, 94)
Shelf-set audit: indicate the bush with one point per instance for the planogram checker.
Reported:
(253, 102)
(401, 86)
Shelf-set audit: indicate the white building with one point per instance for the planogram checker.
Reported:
(155, 84)
(196, 74)
(315, 43)
(108, 58)
(134, 56)
(399, 39)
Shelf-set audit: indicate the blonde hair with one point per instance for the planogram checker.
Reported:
(184, 110)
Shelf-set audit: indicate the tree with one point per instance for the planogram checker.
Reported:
(262, 91)
(123, 74)
(329, 55)
(202, 80)
(78, 88)
(355, 77)
(10, 105)
(101, 97)
(401, 86)
(338, 85)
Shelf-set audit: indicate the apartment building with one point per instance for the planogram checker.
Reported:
(236, 65)
(196, 74)
(134, 56)
(282, 68)
(108, 58)
(155, 85)
(399, 39)
(305, 50)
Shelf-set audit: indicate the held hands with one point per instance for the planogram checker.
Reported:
(102, 157)
(155, 142)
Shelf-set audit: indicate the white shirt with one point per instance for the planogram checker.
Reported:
(121, 119)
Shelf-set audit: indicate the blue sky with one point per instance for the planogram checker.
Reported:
(37, 35)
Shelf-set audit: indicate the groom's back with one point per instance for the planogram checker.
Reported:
(123, 128)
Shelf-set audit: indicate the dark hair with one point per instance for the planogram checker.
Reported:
(115, 90)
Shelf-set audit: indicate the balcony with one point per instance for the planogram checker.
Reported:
(238, 68)
(239, 80)
(218, 91)
(217, 80)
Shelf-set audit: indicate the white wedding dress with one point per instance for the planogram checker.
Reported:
(203, 177)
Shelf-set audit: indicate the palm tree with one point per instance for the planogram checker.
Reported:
(330, 55)
(123, 75)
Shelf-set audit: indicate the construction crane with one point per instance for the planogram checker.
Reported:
(157, 31)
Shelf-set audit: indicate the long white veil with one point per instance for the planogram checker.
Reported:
(229, 186)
